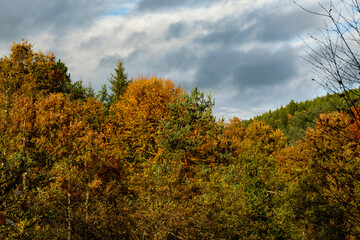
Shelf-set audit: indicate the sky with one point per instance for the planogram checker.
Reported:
(249, 54)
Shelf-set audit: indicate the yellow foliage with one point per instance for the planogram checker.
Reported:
(138, 112)
(234, 133)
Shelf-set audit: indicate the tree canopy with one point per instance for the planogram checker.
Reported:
(155, 163)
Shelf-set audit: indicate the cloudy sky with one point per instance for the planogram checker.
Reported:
(247, 53)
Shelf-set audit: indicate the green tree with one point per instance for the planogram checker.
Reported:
(118, 82)
(190, 135)
(188, 144)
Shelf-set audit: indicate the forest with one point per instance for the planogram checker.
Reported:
(150, 161)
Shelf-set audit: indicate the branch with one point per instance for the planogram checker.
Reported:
(309, 11)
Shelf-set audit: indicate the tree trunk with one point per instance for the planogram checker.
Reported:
(69, 204)
(86, 212)
(87, 206)
(69, 216)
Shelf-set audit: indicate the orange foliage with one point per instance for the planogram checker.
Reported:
(138, 112)
(329, 140)
(355, 122)
(24, 77)
(65, 127)
(24, 72)
(234, 133)
(262, 137)
(329, 154)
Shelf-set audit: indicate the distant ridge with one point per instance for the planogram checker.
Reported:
(296, 117)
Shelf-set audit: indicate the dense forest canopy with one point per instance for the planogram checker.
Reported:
(150, 161)
(296, 117)
(155, 163)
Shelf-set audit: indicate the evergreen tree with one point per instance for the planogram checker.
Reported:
(103, 95)
(118, 82)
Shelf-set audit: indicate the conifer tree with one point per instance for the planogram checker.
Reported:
(118, 82)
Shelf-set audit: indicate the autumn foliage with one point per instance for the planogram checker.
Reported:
(154, 163)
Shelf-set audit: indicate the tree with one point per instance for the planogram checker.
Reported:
(137, 115)
(84, 179)
(131, 130)
(336, 55)
(239, 199)
(264, 138)
(191, 135)
(323, 173)
(188, 145)
(334, 160)
(333, 149)
(25, 77)
(118, 82)
(234, 133)
(103, 95)
(58, 177)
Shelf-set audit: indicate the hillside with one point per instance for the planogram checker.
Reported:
(294, 118)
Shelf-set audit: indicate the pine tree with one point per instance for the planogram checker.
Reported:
(118, 82)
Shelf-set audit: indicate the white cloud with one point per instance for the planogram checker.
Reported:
(181, 40)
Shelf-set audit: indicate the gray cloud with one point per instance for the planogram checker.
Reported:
(92, 43)
(180, 59)
(246, 70)
(248, 78)
(136, 38)
(177, 60)
(224, 31)
(154, 5)
(275, 25)
(21, 18)
(175, 30)
(146, 5)
(261, 66)
(247, 58)
(109, 61)
(264, 25)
